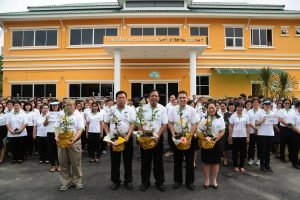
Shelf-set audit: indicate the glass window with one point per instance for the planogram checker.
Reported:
(74, 90)
(234, 37)
(194, 31)
(98, 36)
(28, 38)
(107, 90)
(17, 38)
(50, 90)
(173, 31)
(200, 31)
(51, 38)
(27, 91)
(261, 37)
(111, 32)
(202, 85)
(88, 90)
(75, 37)
(161, 31)
(16, 90)
(40, 38)
(39, 90)
(87, 36)
(148, 31)
(136, 31)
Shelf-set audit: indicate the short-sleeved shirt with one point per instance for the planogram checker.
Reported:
(2, 119)
(30, 118)
(297, 119)
(125, 116)
(264, 129)
(218, 125)
(287, 115)
(16, 120)
(239, 125)
(189, 117)
(76, 121)
(251, 114)
(161, 117)
(94, 120)
(52, 120)
(41, 130)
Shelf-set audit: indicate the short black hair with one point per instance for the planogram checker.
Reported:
(121, 92)
(27, 104)
(297, 104)
(153, 90)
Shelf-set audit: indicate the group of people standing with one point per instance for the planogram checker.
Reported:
(249, 127)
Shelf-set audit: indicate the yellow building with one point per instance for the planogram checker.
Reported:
(208, 49)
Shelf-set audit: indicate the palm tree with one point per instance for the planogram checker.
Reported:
(267, 78)
(284, 85)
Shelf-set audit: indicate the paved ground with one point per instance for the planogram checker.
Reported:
(32, 181)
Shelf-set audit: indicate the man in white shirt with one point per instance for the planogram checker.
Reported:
(183, 119)
(155, 116)
(169, 107)
(126, 118)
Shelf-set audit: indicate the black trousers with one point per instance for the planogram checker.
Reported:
(84, 140)
(265, 147)
(170, 140)
(251, 147)
(42, 148)
(155, 154)
(29, 140)
(18, 146)
(239, 147)
(94, 141)
(295, 149)
(52, 149)
(127, 162)
(189, 160)
(286, 137)
(103, 144)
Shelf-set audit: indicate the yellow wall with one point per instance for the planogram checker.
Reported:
(64, 63)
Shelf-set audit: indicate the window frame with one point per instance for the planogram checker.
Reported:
(93, 39)
(201, 26)
(209, 84)
(261, 28)
(34, 38)
(154, 27)
(234, 38)
(32, 86)
(80, 83)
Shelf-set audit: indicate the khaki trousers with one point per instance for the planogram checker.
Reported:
(70, 164)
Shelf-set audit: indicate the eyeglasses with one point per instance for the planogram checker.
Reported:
(287, 104)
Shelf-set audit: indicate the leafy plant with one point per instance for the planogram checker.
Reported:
(267, 78)
(283, 86)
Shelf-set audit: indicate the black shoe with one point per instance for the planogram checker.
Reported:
(161, 187)
(176, 186)
(14, 162)
(214, 187)
(190, 186)
(296, 166)
(269, 169)
(128, 186)
(263, 169)
(115, 186)
(205, 186)
(283, 159)
(144, 187)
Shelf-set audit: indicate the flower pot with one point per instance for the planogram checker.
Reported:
(185, 143)
(119, 145)
(203, 142)
(65, 139)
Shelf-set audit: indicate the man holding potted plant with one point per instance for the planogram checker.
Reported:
(182, 124)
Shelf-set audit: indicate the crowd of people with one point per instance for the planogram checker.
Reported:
(250, 127)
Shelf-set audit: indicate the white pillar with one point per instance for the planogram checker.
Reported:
(117, 71)
(193, 72)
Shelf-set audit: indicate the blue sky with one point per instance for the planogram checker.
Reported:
(21, 5)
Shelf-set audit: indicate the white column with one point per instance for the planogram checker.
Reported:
(193, 72)
(117, 71)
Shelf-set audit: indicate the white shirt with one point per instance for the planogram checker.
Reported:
(94, 120)
(189, 117)
(2, 119)
(16, 120)
(30, 117)
(41, 130)
(297, 119)
(239, 125)
(287, 115)
(169, 107)
(218, 125)
(76, 121)
(126, 116)
(161, 117)
(251, 114)
(264, 129)
(54, 115)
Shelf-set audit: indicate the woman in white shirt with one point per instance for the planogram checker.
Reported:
(50, 121)
(16, 123)
(239, 130)
(30, 115)
(265, 134)
(3, 133)
(40, 133)
(296, 138)
(286, 133)
(94, 130)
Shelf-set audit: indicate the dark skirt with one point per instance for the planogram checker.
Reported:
(211, 156)
(3, 134)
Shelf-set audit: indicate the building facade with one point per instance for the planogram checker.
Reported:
(207, 49)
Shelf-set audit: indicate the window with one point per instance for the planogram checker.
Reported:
(37, 38)
(234, 37)
(149, 4)
(202, 85)
(261, 37)
(284, 30)
(297, 31)
(154, 31)
(90, 36)
(91, 89)
(200, 31)
(33, 90)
